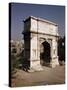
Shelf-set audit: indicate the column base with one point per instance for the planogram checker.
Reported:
(54, 62)
(35, 66)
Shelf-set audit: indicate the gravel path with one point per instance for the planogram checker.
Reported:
(48, 76)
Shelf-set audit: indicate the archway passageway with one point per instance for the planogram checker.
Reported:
(45, 53)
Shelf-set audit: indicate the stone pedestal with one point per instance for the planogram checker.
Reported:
(54, 62)
(35, 65)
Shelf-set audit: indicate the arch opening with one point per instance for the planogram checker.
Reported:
(45, 54)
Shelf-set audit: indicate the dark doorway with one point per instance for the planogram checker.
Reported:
(45, 53)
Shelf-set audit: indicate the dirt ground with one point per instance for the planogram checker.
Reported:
(49, 76)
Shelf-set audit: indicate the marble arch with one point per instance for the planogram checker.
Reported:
(36, 31)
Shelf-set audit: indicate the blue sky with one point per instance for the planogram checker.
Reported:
(19, 11)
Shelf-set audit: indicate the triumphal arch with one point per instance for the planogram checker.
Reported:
(40, 43)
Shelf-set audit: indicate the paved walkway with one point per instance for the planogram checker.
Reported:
(48, 76)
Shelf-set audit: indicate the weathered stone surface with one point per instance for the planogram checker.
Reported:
(37, 32)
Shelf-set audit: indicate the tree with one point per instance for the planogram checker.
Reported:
(61, 49)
